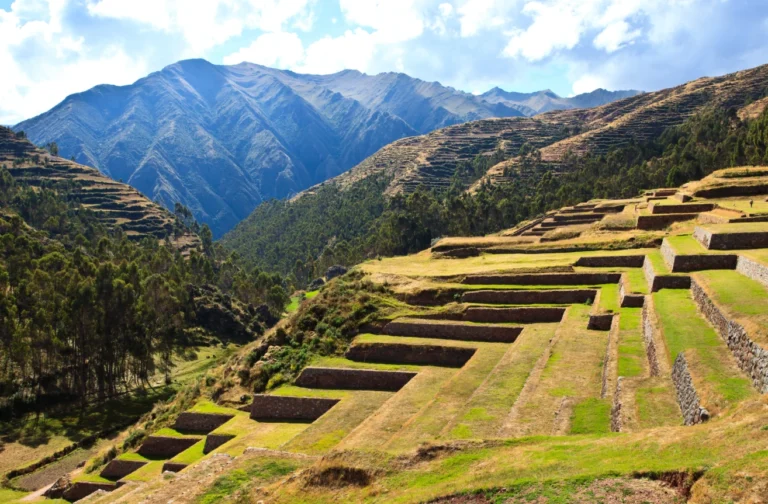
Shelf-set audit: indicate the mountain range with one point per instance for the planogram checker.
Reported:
(222, 139)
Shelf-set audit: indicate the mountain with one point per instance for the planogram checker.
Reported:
(514, 168)
(221, 139)
(547, 100)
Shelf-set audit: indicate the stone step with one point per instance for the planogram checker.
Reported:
(403, 353)
(443, 329)
(353, 379)
(556, 296)
(287, 408)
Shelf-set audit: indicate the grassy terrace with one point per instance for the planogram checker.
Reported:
(609, 298)
(423, 264)
(738, 227)
(570, 376)
(686, 245)
(759, 206)
(741, 298)
(708, 357)
(632, 360)
(636, 280)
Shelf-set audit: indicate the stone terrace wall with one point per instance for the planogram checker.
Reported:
(557, 296)
(629, 300)
(681, 209)
(752, 269)
(545, 279)
(267, 407)
(650, 344)
(600, 322)
(117, 469)
(353, 379)
(400, 353)
(200, 422)
(751, 357)
(616, 407)
(658, 282)
(727, 191)
(447, 330)
(83, 489)
(687, 398)
(618, 261)
(431, 297)
(661, 221)
(173, 467)
(732, 241)
(695, 262)
(165, 447)
(213, 441)
(520, 315)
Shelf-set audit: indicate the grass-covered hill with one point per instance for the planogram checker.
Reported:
(615, 350)
(655, 139)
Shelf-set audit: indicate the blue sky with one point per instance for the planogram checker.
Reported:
(52, 48)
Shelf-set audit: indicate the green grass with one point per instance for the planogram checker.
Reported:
(191, 454)
(632, 358)
(739, 294)
(146, 472)
(133, 456)
(657, 261)
(685, 329)
(591, 416)
(637, 282)
(210, 407)
(657, 406)
(341, 362)
(686, 245)
(169, 432)
(238, 479)
(311, 294)
(609, 298)
(7, 495)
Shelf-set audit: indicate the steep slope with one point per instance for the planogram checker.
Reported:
(221, 139)
(113, 203)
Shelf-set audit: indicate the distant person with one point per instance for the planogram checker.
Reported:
(751, 202)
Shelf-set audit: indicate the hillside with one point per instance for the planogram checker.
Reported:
(517, 168)
(113, 203)
(613, 351)
(221, 139)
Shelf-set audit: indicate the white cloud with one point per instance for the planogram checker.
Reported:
(354, 49)
(279, 49)
(478, 15)
(588, 83)
(615, 36)
(392, 20)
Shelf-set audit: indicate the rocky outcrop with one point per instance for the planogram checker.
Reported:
(273, 408)
(648, 339)
(751, 357)
(315, 284)
(353, 379)
(557, 296)
(399, 353)
(687, 397)
(752, 269)
(422, 328)
(335, 271)
(200, 422)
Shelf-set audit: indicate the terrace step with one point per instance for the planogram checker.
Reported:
(286, 408)
(203, 423)
(616, 261)
(683, 208)
(165, 446)
(556, 296)
(732, 236)
(442, 329)
(678, 263)
(353, 379)
(650, 222)
(403, 353)
(518, 315)
(544, 279)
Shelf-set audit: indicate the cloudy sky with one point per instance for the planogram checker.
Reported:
(52, 48)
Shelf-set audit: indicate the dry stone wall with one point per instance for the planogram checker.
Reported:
(733, 190)
(629, 300)
(173, 467)
(616, 407)
(557, 296)
(400, 353)
(752, 269)
(83, 489)
(751, 357)
(213, 441)
(117, 469)
(695, 262)
(661, 221)
(200, 422)
(617, 261)
(650, 344)
(267, 407)
(658, 282)
(446, 330)
(600, 322)
(165, 447)
(545, 279)
(687, 398)
(519, 315)
(689, 208)
(353, 379)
